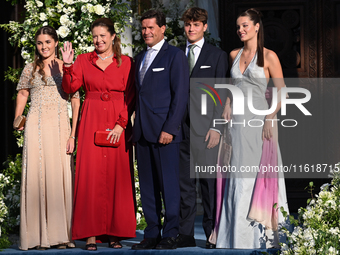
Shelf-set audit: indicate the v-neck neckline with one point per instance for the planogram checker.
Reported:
(244, 71)
(94, 57)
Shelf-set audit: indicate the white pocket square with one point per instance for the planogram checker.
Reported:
(204, 67)
(157, 69)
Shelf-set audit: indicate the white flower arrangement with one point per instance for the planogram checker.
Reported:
(69, 18)
(317, 231)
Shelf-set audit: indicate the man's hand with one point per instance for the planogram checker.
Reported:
(165, 138)
(213, 137)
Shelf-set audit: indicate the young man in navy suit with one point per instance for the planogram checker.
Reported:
(200, 136)
(162, 81)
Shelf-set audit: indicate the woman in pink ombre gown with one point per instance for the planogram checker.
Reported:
(247, 215)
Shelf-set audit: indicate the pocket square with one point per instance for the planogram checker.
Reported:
(204, 67)
(157, 69)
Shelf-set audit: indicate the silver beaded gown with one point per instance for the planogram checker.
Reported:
(47, 171)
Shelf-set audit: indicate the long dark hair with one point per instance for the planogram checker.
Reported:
(45, 30)
(255, 16)
(106, 22)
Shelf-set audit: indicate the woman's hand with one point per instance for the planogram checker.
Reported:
(227, 112)
(70, 145)
(115, 134)
(267, 131)
(67, 53)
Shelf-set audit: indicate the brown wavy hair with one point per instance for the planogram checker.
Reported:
(106, 22)
(195, 14)
(255, 16)
(45, 30)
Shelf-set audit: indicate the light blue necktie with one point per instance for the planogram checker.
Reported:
(145, 66)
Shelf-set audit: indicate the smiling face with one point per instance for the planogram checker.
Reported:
(46, 46)
(151, 32)
(246, 29)
(102, 39)
(194, 30)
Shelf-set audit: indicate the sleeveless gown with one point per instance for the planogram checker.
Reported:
(235, 229)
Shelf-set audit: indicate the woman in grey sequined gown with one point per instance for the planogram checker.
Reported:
(251, 68)
(49, 141)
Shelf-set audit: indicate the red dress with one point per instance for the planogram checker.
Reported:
(103, 194)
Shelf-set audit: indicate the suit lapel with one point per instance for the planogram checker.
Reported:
(158, 57)
(201, 59)
(155, 62)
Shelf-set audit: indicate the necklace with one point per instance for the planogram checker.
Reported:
(245, 62)
(105, 57)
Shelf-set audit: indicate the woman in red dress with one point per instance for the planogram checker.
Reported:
(103, 196)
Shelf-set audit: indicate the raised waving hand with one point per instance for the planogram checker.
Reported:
(67, 53)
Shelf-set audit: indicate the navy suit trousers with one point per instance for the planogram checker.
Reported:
(158, 170)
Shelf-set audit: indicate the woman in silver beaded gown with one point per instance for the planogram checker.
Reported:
(49, 141)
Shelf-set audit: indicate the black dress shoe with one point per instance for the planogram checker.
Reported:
(146, 244)
(185, 241)
(210, 245)
(167, 243)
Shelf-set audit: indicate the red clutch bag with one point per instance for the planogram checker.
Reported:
(100, 139)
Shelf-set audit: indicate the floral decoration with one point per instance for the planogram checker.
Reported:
(71, 18)
(317, 230)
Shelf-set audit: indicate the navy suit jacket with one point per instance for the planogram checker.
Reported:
(163, 96)
(212, 63)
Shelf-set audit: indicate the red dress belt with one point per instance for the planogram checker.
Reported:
(105, 96)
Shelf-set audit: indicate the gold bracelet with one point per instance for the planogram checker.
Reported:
(73, 137)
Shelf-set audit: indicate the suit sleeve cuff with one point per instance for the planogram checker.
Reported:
(218, 131)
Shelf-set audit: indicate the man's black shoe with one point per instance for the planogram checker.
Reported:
(146, 244)
(185, 241)
(167, 243)
(210, 245)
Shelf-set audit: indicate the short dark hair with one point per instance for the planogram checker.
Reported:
(195, 14)
(160, 17)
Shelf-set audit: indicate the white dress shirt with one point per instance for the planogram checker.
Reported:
(156, 48)
(197, 49)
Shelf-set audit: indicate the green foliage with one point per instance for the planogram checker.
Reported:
(13, 74)
(317, 229)
(141, 224)
(174, 32)
(10, 198)
(13, 2)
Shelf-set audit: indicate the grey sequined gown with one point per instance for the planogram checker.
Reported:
(47, 171)
(235, 229)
